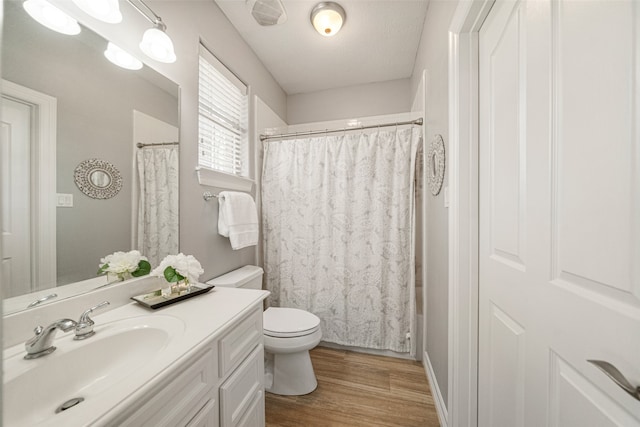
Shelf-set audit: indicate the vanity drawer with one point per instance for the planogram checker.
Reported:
(242, 395)
(182, 398)
(239, 342)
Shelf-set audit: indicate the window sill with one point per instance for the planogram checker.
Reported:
(227, 181)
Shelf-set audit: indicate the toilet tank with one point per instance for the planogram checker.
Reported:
(248, 277)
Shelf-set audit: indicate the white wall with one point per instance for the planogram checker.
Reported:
(433, 57)
(422, 194)
(373, 99)
(188, 22)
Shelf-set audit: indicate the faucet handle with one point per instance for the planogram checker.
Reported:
(84, 328)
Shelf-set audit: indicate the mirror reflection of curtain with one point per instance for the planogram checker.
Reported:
(158, 202)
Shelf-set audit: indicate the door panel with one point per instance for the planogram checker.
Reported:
(507, 149)
(507, 370)
(594, 75)
(559, 212)
(574, 401)
(15, 149)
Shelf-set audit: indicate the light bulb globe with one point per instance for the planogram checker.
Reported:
(51, 17)
(157, 45)
(104, 10)
(121, 58)
(328, 18)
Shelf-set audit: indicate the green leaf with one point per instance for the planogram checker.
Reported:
(172, 275)
(144, 268)
(103, 269)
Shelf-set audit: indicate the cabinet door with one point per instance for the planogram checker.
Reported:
(254, 416)
(207, 417)
(240, 341)
(182, 398)
(244, 392)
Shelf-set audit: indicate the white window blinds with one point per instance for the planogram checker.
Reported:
(223, 107)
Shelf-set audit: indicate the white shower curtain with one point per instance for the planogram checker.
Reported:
(158, 202)
(338, 223)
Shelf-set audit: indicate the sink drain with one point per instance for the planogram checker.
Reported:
(69, 404)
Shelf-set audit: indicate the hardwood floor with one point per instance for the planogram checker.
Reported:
(357, 389)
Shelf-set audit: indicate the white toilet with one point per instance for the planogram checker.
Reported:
(289, 334)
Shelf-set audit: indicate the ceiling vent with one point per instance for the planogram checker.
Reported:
(267, 12)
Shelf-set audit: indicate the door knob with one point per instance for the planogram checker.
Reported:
(617, 377)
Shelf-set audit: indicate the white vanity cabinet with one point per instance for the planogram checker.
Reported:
(221, 386)
(241, 365)
(195, 363)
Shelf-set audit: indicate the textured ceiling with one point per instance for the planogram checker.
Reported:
(378, 42)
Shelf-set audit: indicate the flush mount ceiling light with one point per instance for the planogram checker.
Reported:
(104, 10)
(121, 58)
(51, 17)
(267, 12)
(156, 44)
(327, 18)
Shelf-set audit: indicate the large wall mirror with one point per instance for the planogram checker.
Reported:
(96, 110)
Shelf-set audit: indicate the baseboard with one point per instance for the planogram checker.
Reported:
(441, 407)
(373, 351)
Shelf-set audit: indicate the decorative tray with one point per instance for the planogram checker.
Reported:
(155, 299)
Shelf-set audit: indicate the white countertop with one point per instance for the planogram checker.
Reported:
(204, 317)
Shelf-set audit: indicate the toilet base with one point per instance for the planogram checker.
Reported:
(292, 374)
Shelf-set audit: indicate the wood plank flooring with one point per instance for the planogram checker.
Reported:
(356, 389)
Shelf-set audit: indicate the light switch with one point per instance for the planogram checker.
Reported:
(64, 200)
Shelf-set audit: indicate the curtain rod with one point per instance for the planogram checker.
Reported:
(141, 145)
(264, 137)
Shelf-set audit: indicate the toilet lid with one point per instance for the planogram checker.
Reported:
(289, 322)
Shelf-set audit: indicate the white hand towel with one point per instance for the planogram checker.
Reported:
(238, 219)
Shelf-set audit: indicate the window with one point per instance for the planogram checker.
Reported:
(223, 106)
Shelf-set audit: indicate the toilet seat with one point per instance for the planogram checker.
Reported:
(281, 322)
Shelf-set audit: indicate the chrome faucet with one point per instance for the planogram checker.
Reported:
(42, 343)
(84, 327)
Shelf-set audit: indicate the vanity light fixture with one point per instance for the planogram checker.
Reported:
(51, 17)
(156, 44)
(121, 58)
(327, 18)
(104, 10)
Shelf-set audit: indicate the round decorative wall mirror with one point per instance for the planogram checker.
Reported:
(98, 179)
(435, 164)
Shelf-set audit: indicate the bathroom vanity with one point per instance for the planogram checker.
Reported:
(195, 363)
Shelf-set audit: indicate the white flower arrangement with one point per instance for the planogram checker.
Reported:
(125, 264)
(179, 268)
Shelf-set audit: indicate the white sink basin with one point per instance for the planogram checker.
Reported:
(88, 369)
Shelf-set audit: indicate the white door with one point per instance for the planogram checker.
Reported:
(559, 212)
(15, 138)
